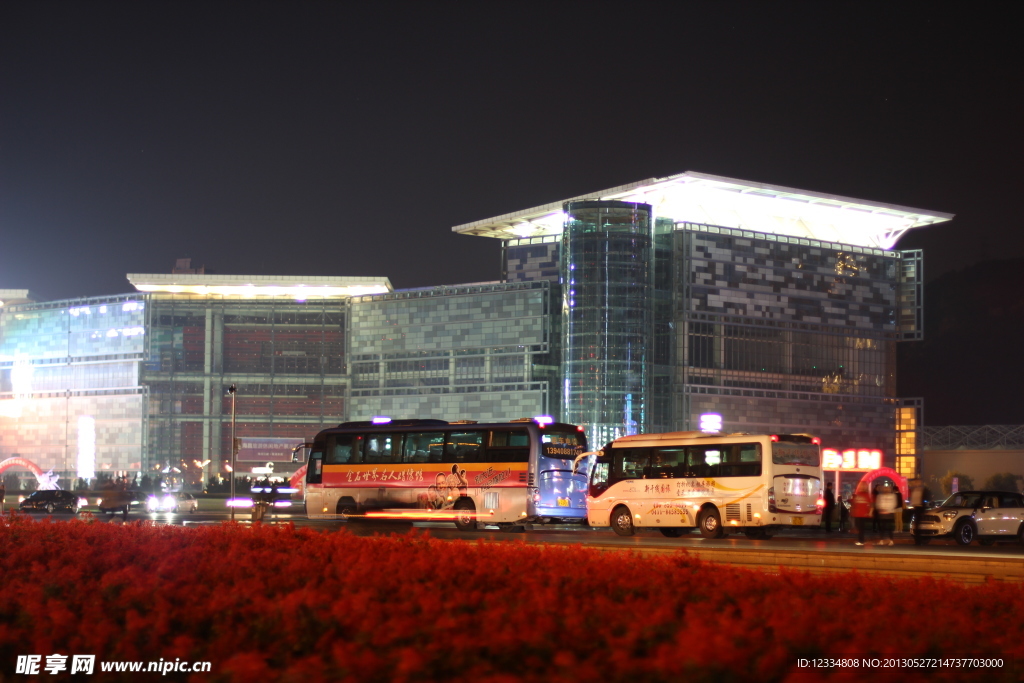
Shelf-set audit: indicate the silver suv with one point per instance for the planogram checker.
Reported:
(987, 516)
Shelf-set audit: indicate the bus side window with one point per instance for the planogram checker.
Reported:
(418, 447)
(749, 459)
(340, 448)
(702, 461)
(629, 463)
(464, 446)
(509, 446)
(314, 468)
(382, 448)
(667, 463)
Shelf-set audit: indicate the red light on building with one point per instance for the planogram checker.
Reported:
(851, 459)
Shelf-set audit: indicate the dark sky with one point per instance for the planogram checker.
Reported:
(348, 138)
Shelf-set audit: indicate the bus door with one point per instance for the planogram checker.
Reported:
(314, 480)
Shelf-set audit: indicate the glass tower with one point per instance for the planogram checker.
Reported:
(607, 273)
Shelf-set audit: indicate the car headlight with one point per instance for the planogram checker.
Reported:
(152, 503)
(951, 514)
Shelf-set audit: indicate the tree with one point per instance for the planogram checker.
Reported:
(965, 484)
(1004, 481)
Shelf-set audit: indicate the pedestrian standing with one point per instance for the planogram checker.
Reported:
(830, 506)
(861, 509)
(874, 513)
(898, 514)
(885, 511)
(844, 512)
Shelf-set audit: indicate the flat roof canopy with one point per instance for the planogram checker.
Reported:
(694, 197)
(298, 288)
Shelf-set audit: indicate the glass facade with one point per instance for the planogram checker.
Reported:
(286, 358)
(773, 333)
(475, 352)
(70, 396)
(789, 334)
(608, 315)
(607, 281)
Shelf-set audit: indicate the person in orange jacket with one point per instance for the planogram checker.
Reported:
(861, 508)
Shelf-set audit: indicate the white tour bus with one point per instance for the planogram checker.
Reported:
(711, 481)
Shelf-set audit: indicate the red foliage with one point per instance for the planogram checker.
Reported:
(280, 603)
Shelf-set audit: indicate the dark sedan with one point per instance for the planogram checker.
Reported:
(50, 502)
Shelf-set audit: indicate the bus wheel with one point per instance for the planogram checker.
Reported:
(465, 515)
(346, 507)
(711, 524)
(622, 521)
(673, 531)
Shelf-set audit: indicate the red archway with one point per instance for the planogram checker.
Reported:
(901, 481)
(20, 462)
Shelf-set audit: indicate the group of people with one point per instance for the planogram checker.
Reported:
(883, 506)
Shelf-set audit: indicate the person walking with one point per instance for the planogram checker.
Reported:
(885, 510)
(898, 513)
(861, 508)
(874, 513)
(830, 506)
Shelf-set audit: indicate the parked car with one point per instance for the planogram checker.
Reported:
(172, 502)
(122, 501)
(50, 502)
(985, 516)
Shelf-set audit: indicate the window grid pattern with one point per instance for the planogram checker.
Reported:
(786, 334)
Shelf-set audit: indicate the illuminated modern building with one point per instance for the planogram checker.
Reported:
(639, 308)
(775, 308)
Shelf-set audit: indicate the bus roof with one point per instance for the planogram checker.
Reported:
(652, 439)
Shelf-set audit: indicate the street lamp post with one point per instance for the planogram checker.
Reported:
(231, 390)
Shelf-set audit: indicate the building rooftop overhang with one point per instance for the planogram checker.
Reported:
(694, 197)
(296, 288)
(15, 296)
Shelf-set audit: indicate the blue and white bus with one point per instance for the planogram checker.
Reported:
(506, 474)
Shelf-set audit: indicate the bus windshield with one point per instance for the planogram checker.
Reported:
(796, 454)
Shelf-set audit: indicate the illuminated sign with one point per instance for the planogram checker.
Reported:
(851, 459)
(710, 422)
(266, 449)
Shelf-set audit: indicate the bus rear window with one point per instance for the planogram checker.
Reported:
(805, 454)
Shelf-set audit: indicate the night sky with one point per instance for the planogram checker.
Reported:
(348, 138)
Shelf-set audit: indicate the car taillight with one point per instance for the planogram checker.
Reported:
(771, 500)
(819, 506)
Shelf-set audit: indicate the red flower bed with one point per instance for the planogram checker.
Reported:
(280, 603)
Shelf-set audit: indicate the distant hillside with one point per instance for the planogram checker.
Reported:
(970, 366)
